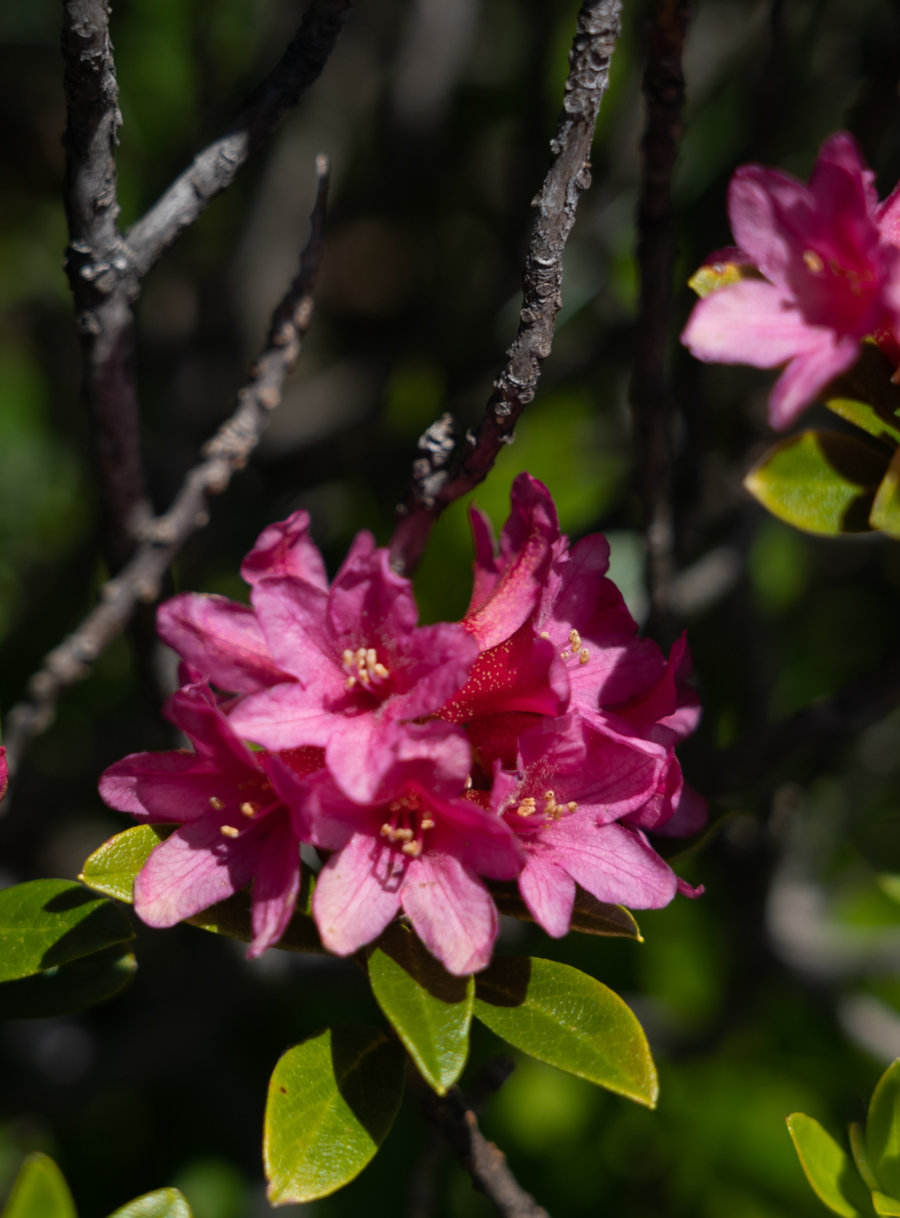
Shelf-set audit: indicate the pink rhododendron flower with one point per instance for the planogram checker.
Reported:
(241, 817)
(4, 771)
(830, 277)
(418, 847)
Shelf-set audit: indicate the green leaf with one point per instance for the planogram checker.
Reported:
(45, 923)
(861, 1157)
(883, 1131)
(714, 275)
(39, 1191)
(430, 1010)
(885, 514)
(331, 1102)
(867, 397)
(820, 481)
(68, 988)
(112, 868)
(883, 1204)
(162, 1203)
(567, 1019)
(590, 916)
(867, 418)
(828, 1168)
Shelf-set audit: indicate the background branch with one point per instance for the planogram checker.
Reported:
(96, 263)
(225, 453)
(439, 479)
(652, 406)
(216, 167)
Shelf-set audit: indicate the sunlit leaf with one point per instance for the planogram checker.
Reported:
(861, 1156)
(39, 1191)
(867, 396)
(888, 1206)
(46, 923)
(589, 916)
(429, 1009)
(819, 481)
(714, 275)
(885, 514)
(883, 1131)
(331, 1102)
(829, 1170)
(68, 988)
(112, 868)
(162, 1203)
(565, 1018)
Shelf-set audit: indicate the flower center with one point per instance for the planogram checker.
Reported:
(408, 824)
(363, 668)
(249, 809)
(575, 649)
(551, 809)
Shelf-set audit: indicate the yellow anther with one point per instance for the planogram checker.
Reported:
(571, 806)
(545, 634)
(574, 641)
(413, 849)
(216, 804)
(583, 656)
(813, 262)
(229, 831)
(426, 823)
(363, 667)
(249, 809)
(385, 830)
(527, 807)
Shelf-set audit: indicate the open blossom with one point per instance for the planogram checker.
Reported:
(240, 816)
(828, 277)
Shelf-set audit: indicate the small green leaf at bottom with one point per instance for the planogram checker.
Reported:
(162, 1203)
(561, 1016)
(829, 1170)
(69, 988)
(39, 1191)
(331, 1103)
(430, 1010)
(820, 481)
(883, 1131)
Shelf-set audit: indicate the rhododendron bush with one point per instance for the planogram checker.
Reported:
(450, 710)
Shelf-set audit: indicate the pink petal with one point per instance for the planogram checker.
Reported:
(369, 601)
(612, 863)
(431, 664)
(283, 717)
(357, 894)
(549, 894)
(220, 638)
(194, 868)
(772, 217)
(293, 615)
(160, 786)
(275, 885)
(806, 376)
(484, 573)
(286, 548)
(750, 323)
(480, 839)
(451, 912)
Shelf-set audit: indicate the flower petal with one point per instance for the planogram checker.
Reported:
(549, 894)
(286, 548)
(221, 639)
(357, 893)
(451, 912)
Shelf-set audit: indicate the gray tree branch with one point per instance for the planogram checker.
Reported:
(224, 454)
(438, 477)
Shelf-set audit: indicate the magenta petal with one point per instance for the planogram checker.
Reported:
(357, 894)
(194, 868)
(750, 323)
(771, 217)
(160, 786)
(480, 839)
(451, 912)
(221, 639)
(293, 616)
(484, 567)
(286, 548)
(432, 664)
(370, 602)
(549, 894)
(276, 884)
(612, 863)
(805, 378)
(284, 717)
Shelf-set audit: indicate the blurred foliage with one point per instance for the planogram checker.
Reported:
(777, 991)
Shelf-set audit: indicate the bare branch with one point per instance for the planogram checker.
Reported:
(97, 267)
(216, 167)
(445, 479)
(652, 407)
(482, 1160)
(226, 452)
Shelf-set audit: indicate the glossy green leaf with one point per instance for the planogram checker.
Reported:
(867, 397)
(112, 868)
(864, 416)
(39, 1191)
(589, 916)
(162, 1203)
(68, 988)
(820, 481)
(46, 923)
(889, 1206)
(829, 1170)
(861, 1156)
(883, 1131)
(430, 1010)
(885, 514)
(331, 1102)
(714, 275)
(563, 1017)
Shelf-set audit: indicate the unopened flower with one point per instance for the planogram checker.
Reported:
(240, 815)
(829, 277)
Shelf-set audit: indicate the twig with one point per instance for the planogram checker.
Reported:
(225, 453)
(97, 266)
(442, 479)
(481, 1159)
(652, 407)
(215, 168)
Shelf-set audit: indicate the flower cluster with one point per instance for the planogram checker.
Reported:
(534, 740)
(816, 270)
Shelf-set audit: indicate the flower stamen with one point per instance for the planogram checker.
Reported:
(229, 831)
(216, 804)
(363, 668)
